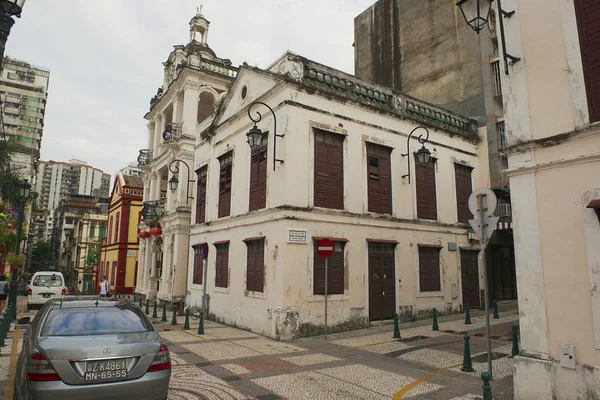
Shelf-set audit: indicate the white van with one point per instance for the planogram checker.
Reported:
(45, 285)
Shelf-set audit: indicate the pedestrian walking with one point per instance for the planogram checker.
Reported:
(104, 287)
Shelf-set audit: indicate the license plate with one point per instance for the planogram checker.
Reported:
(105, 370)
(46, 296)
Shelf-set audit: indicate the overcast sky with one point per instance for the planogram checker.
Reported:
(105, 58)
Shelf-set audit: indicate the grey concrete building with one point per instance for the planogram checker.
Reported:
(426, 50)
(24, 92)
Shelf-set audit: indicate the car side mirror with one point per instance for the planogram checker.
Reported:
(24, 321)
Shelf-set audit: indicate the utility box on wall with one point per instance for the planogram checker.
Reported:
(567, 356)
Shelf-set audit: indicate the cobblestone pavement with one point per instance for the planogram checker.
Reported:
(229, 363)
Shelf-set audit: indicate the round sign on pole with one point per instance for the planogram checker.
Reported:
(325, 248)
(205, 250)
(489, 205)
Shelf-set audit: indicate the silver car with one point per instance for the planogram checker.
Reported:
(92, 348)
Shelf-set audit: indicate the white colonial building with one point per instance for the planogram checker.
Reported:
(195, 80)
(339, 171)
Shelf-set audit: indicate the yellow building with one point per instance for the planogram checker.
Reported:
(118, 260)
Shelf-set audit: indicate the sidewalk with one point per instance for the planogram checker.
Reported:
(360, 364)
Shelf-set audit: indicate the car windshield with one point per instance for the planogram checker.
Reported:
(48, 280)
(101, 320)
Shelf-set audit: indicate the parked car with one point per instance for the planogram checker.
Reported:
(84, 347)
(45, 285)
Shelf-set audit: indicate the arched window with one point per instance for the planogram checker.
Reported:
(117, 227)
(92, 231)
(110, 224)
(206, 106)
(102, 232)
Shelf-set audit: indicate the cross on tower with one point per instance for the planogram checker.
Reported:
(199, 10)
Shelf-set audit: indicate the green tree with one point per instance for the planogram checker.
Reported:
(93, 258)
(41, 256)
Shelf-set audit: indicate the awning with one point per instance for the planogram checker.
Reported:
(382, 241)
(251, 239)
(594, 204)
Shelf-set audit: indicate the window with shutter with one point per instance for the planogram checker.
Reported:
(429, 269)
(464, 188)
(329, 170)
(255, 265)
(116, 237)
(225, 185)
(335, 270)
(379, 179)
(222, 265)
(198, 263)
(201, 195)
(425, 186)
(588, 14)
(258, 179)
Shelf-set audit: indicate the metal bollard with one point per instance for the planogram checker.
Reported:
(487, 389)
(186, 324)
(147, 309)
(496, 315)
(396, 327)
(435, 322)
(174, 320)
(2, 331)
(154, 314)
(467, 364)
(201, 326)
(515, 341)
(140, 302)
(467, 314)
(164, 314)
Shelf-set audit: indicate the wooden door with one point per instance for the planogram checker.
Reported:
(382, 287)
(470, 277)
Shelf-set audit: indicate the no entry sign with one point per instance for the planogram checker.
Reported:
(325, 248)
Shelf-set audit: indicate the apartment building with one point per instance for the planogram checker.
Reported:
(55, 181)
(24, 94)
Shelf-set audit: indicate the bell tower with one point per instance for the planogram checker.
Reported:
(199, 28)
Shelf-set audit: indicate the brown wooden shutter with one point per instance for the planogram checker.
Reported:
(201, 195)
(222, 265)
(258, 179)
(426, 194)
(335, 272)
(379, 179)
(588, 24)
(255, 264)
(225, 185)
(329, 170)
(429, 269)
(463, 191)
(198, 261)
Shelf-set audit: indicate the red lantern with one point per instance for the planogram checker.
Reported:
(156, 231)
(144, 234)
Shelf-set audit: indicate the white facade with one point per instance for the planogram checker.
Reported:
(554, 158)
(195, 80)
(309, 98)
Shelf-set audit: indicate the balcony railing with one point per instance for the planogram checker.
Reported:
(145, 157)
(172, 132)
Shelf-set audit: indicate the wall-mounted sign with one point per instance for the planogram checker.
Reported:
(296, 235)
(131, 253)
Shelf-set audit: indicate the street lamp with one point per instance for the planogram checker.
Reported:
(24, 191)
(8, 9)
(477, 14)
(255, 136)
(423, 154)
(174, 182)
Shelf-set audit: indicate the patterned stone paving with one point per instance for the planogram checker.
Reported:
(229, 363)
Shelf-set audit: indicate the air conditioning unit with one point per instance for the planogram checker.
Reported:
(503, 210)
